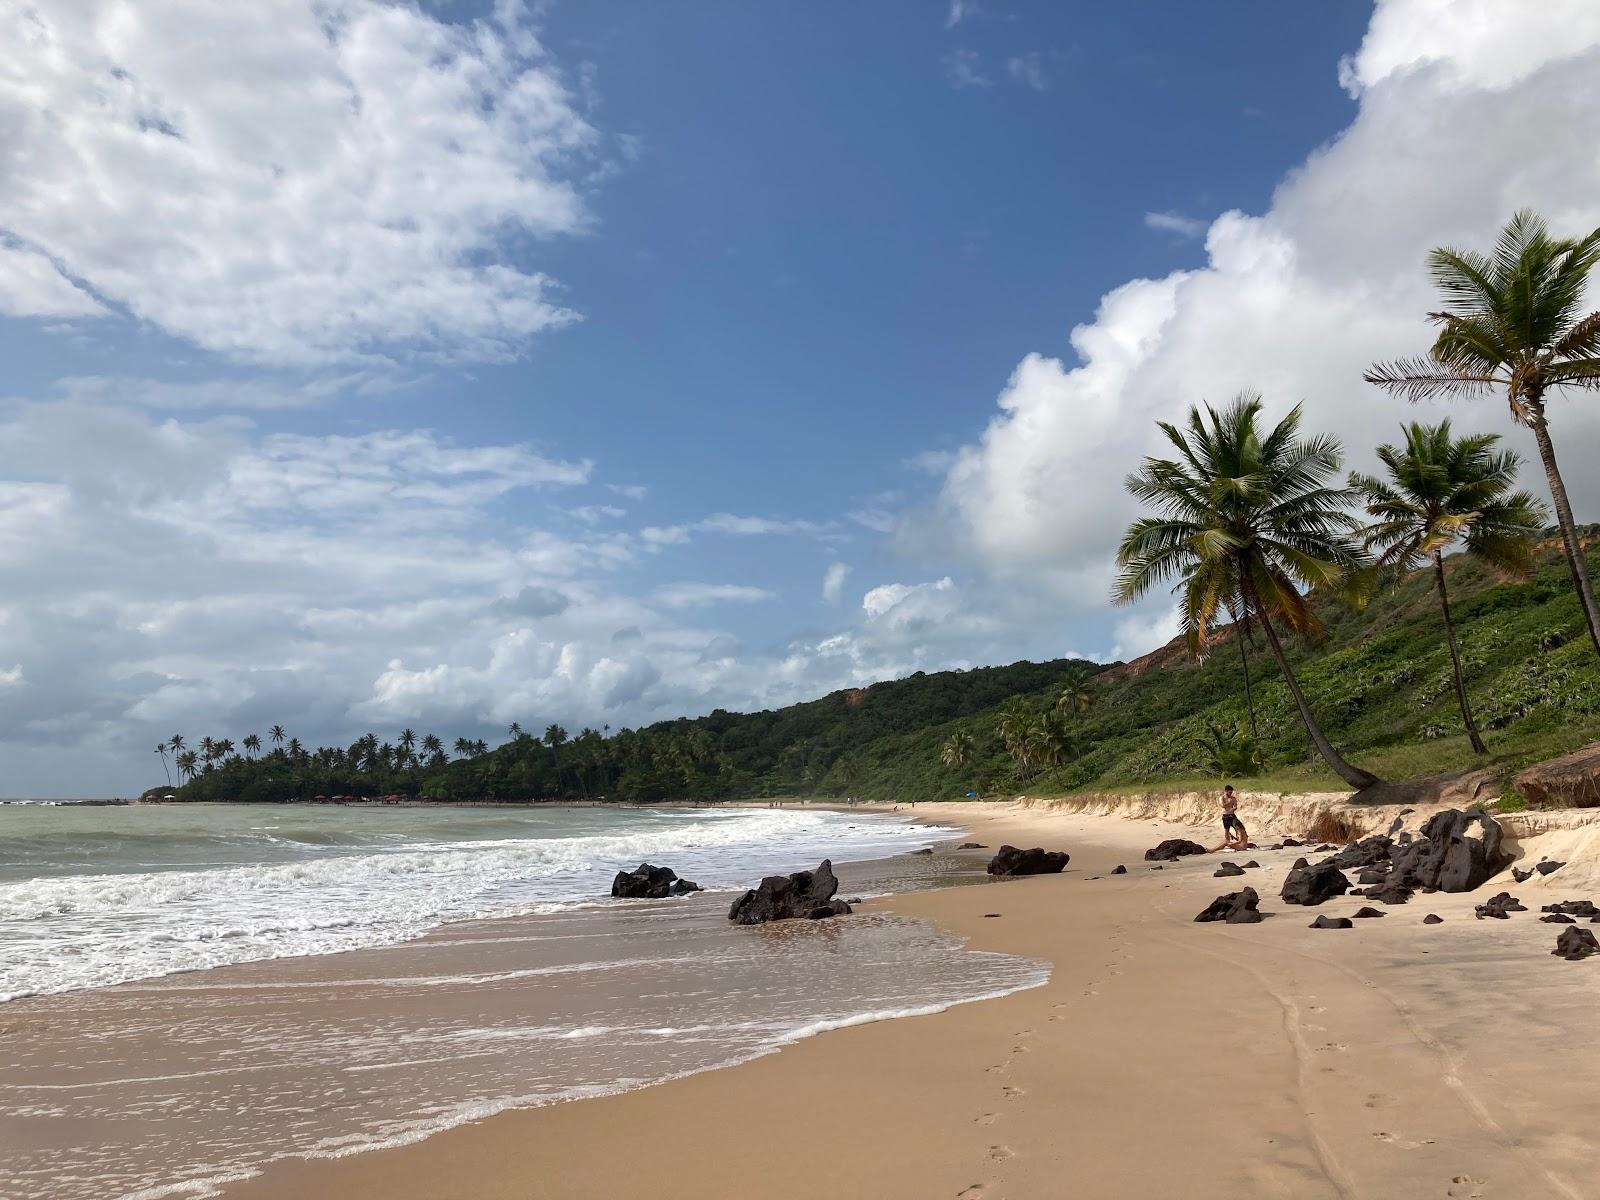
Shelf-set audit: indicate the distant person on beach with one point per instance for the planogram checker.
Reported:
(1234, 836)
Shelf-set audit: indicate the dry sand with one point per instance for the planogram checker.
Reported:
(1163, 1059)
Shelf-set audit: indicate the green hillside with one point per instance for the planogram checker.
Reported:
(1380, 682)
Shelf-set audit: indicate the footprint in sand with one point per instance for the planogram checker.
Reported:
(1001, 1153)
(1013, 1093)
(987, 1119)
(973, 1192)
(1465, 1185)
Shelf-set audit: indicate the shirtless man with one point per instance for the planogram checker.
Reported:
(1234, 836)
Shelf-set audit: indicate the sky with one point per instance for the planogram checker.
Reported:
(443, 365)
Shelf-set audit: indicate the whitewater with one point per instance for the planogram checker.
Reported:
(95, 896)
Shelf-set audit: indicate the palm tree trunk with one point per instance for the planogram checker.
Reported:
(1577, 560)
(1455, 657)
(1354, 776)
(1249, 698)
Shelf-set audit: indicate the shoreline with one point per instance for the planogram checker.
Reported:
(1161, 1056)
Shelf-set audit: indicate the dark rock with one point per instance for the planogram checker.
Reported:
(1366, 853)
(1369, 912)
(1236, 908)
(1557, 919)
(991, 914)
(1037, 861)
(1575, 943)
(1298, 863)
(1500, 906)
(1373, 875)
(1433, 919)
(1313, 885)
(972, 846)
(786, 897)
(1546, 866)
(1252, 865)
(1158, 867)
(924, 850)
(1457, 852)
(1119, 870)
(1292, 842)
(1326, 922)
(1323, 849)
(1394, 890)
(1573, 908)
(1405, 838)
(1226, 870)
(645, 882)
(1521, 876)
(1172, 850)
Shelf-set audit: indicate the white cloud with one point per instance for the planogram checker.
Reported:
(1029, 70)
(833, 581)
(729, 523)
(697, 595)
(325, 181)
(1172, 222)
(959, 11)
(964, 69)
(1296, 302)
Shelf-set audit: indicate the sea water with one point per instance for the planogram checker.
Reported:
(179, 1016)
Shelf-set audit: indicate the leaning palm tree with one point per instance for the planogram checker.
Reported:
(1514, 320)
(161, 749)
(1441, 490)
(1072, 693)
(958, 749)
(1245, 521)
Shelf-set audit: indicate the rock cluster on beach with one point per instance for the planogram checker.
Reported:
(1172, 850)
(805, 894)
(645, 882)
(1037, 861)
(1236, 908)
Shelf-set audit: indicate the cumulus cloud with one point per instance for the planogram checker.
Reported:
(327, 181)
(1297, 300)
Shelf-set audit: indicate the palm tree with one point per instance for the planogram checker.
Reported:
(161, 749)
(515, 730)
(463, 747)
(1016, 730)
(1073, 694)
(186, 763)
(1245, 521)
(224, 747)
(1514, 320)
(958, 749)
(433, 748)
(176, 742)
(277, 735)
(251, 744)
(1441, 490)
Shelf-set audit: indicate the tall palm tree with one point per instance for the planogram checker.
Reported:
(1072, 693)
(433, 748)
(1245, 521)
(251, 744)
(186, 760)
(463, 747)
(515, 730)
(176, 742)
(1441, 490)
(277, 735)
(161, 749)
(1016, 731)
(1513, 320)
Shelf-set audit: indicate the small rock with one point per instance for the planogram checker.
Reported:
(1119, 870)
(924, 850)
(1252, 865)
(1236, 908)
(1227, 869)
(991, 914)
(1172, 850)
(1546, 866)
(645, 882)
(1326, 922)
(1574, 944)
(1292, 842)
(1158, 868)
(1520, 875)
(1499, 906)
(1573, 908)
(1369, 912)
(1372, 875)
(1557, 919)
(972, 846)
(1037, 861)
(1433, 919)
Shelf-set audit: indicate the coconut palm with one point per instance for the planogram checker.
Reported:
(1441, 490)
(252, 744)
(161, 749)
(958, 749)
(1016, 730)
(1072, 693)
(176, 742)
(433, 748)
(1245, 520)
(186, 761)
(277, 735)
(1513, 320)
(463, 747)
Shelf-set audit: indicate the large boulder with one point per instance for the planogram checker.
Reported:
(1368, 852)
(1314, 884)
(1172, 850)
(805, 894)
(1571, 781)
(1457, 852)
(1575, 943)
(1037, 861)
(645, 882)
(1236, 908)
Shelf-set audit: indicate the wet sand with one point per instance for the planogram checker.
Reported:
(1163, 1058)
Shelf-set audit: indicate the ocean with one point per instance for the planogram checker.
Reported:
(192, 991)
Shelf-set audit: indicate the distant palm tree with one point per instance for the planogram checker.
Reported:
(208, 748)
(555, 737)
(958, 749)
(176, 742)
(1244, 517)
(277, 735)
(251, 744)
(433, 748)
(1441, 490)
(224, 748)
(463, 747)
(161, 749)
(1073, 694)
(1514, 320)
(515, 730)
(186, 763)
(1016, 729)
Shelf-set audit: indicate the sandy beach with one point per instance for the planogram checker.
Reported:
(1395, 1059)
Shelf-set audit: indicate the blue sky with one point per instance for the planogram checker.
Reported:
(378, 365)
